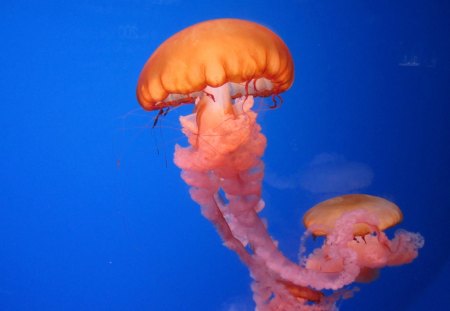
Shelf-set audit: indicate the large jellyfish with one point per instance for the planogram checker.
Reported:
(221, 65)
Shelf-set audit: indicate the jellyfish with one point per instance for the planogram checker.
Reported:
(220, 66)
(356, 223)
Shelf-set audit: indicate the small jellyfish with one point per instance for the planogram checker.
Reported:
(220, 66)
(355, 223)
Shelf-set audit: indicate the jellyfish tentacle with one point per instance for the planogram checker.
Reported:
(235, 166)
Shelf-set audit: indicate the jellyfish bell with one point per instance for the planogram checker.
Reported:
(321, 218)
(213, 62)
(302, 292)
(252, 59)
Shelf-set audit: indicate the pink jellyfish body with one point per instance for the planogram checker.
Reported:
(221, 65)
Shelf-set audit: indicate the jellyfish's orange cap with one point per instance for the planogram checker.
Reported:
(321, 218)
(213, 53)
(302, 292)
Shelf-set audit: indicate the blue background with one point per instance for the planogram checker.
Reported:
(93, 214)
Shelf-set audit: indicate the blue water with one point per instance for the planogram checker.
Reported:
(93, 214)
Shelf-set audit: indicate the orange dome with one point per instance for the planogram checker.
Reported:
(252, 58)
(321, 218)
